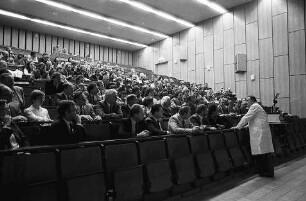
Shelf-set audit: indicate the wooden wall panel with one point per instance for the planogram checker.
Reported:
(191, 34)
(210, 77)
(92, 50)
(284, 104)
(253, 85)
(266, 58)
(54, 42)
(239, 24)
(267, 91)
(97, 52)
(298, 95)
(219, 86)
(1, 34)
(281, 76)
(130, 59)
(105, 54)
(77, 47)
(119, 57)
(252, 41)
(176, 59)
(229, 77)
(199, 39)
(7, 36)
(101, 53)
(60, 42)
(296, 15)
(208, 27)
(21, 40)
(66, 44)
(48, 44)
(15, 37)
(279, 7)
(251, 12)
(82, 49)
(86, 49)
(280, 35)
(200, 69)
(176, 39)
(218, 66)
(228, 20)
(191, 55)
(35, 47)
(71, 47)
(208, 51)
(42, 43)
(297, 53)
(184, 70)
(110, 54)
(29, 40)
(229, 46)
(241, 89)
(265, 18)
(218, 32)
(191, 76)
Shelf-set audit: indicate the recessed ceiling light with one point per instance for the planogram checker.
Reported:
(77, 30)
(213, 6)
(100, 17)
(162, 14)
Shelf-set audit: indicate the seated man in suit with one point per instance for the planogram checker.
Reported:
(166, 105)
(92, 93)
(153, 122)
(67, 93)
(179, 124)
(54, 85)
(134, 125)
(109, 108)
(67, 129)
(11, 137)
(17, 102)
(84, 109)
(130, 100)
(199, 118)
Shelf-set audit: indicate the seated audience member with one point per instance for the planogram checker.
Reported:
(231, 107)
(130, 101)
(147, 103)
(153, 122)
(78, 83)
(67, 93)
(67, 129)
(199, 118)
(134, 125)
(35, 112)
(190, 101)
(101, 88)
(166, 105)
(92, 93)
(84, 109)
(244, 107)
(3, 67)
(109, 108)
(11, 137)
(179, 124)
(213, 117)
(222, 107)
(54, 85)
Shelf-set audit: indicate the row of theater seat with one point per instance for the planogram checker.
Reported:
(133, 169)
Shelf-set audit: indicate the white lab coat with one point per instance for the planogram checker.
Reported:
(260, 134)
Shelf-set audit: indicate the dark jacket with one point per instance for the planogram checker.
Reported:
(61, 96)
(50, 89)
(125, 111)
(6, 133)
(154, 127)
(125, 129)
(104, 110)
(60, 133)
(167, 113)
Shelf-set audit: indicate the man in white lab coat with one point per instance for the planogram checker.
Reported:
(260, 137)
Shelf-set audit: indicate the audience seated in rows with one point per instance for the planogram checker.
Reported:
(83, 108)
(109, 108)
(66, 94)
(153, 123)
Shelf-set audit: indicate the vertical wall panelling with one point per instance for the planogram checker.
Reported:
(82, 49)
(77, 47)
(60, 42)
(119, 57)
(252, 41)
(71, 47)
(297, 52)
(54, 42)
(176, 59)
(7, 36)
(35, 42)
(296, 15)
(266, 58)
(218, 86)
(279, 7)
(110, 54)
(239, 24)
(199, 39)
(86, 49)
(264, 18)
(208, 51)
(130, 59)
(284, 104)
(266, 91)
(208, 27)
(241, 89)
(115, 56)
(101, 53)
(209, 77)
(21, 40)
(15, 37)
(200, 69)
(253, 85)
(218, 66)
(228, 21)
(48, 44)
(229, 46)
(218, 32)
(97, 52)
(42, 43)
(92, 50)
(1, 34)
(229, 76)
(66, 44)
(251, 12)
(298, 95)
(191, 55)
(281, 76)
(29, 40)
(280, 35)
(105, 54)
(191, 34)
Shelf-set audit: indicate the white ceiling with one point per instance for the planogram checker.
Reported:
(189, 10)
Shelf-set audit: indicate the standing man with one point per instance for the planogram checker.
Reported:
(260, 137)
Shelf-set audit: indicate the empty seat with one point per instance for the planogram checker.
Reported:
(98, 131)
(233, 147)
(244, 142)
(124, 174)
(83, 173)
(152, 150)
(217, 145)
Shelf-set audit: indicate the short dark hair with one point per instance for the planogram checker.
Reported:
(135, 109)
(77, 95)
(4, 88)
(91, 86)
(79, 77)
(66, 85)
(64, 106)
(201, 108)
(212, 108)
(147, 101)
(56, 74)
(184, 110)
(130, 98)
(155, 108)
(253, 98)
(36, 94)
